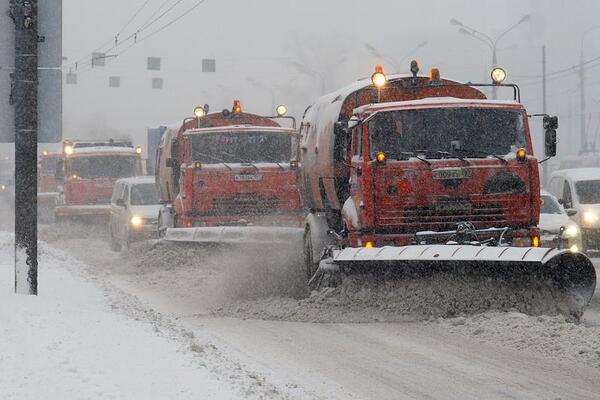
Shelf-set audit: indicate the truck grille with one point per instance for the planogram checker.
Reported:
(246, 205)
(442, 216)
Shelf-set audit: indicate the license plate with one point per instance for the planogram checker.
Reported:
(454, 207)
(452, 173)
(248, 178)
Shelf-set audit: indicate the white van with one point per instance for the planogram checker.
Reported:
(133, 211)
(579, 189)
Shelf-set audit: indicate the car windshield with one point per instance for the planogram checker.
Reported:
(472, 132)
(251, 147)
(550, 206)
(103, 167)
(588, 191)
(144, 194)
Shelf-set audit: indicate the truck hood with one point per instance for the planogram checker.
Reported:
(262, 189)
(89, 191)
(412, 196)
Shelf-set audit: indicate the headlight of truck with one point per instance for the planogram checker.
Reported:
(572, 231)
(136, 221)
(590, 217)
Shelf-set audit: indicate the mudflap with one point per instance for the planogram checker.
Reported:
(236, 235)
(533, 280)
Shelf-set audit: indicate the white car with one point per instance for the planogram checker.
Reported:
(579, 189)
(556, 228)
(134, 210)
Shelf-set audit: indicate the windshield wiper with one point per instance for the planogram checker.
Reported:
(483, 153)
(416, 155)
(447, 154)
(217, 159)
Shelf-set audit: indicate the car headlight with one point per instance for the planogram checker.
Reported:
(572, 231)
(136, 221)
(590, 217)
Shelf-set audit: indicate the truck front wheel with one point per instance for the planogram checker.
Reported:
(309, 262)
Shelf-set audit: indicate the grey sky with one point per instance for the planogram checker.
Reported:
(266, 40)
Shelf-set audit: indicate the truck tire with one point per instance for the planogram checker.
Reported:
(310, 264)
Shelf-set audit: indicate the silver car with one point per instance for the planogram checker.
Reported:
(133, 211)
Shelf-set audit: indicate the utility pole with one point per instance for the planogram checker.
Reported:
(544, 101)
(25, 100)
(583, 138)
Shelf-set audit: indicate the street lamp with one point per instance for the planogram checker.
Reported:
(583, 133)
(396, 64)
(492, 43)
(306, 70)
(261, 85)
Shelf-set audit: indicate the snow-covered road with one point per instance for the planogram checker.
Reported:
(493, 355)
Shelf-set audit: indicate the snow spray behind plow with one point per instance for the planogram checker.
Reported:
(534, 280)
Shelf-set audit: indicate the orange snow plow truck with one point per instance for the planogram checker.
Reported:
(87, 173)
(419, 176)
(229, 177)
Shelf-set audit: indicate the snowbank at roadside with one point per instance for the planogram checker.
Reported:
(69, 343)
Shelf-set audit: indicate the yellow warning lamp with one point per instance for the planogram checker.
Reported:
(498, 75)
(434, 75)
(237, 107)
(369, 245)
(521, 155)
(380, 157)
(535, 241)
(74, 177)
(281, 110)
(197, 164)
(378, 78)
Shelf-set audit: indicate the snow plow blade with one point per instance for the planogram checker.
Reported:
(236, 235)
(537, 280)
(95, 213)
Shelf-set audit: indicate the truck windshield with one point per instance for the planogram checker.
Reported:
(144, 194)
(251, 147)
(469, 132)
(588, 192)
(103, 167)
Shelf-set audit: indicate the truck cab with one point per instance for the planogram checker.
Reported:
(229, 170)
(88, 174)
(401, 160)
(429, 164)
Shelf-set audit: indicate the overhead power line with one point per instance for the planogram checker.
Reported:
(151, 34)
(117, 42)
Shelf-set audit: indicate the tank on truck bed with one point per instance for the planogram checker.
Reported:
(405, 174)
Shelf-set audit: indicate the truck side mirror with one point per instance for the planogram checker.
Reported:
(550, 143)
(170, 162)
(550, 127)
(571, 212)
(121, 203)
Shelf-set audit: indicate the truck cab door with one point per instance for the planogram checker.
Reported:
(352, 207)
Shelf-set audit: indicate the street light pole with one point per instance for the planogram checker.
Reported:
(395, 64)
(490, 42)
(260, 85)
